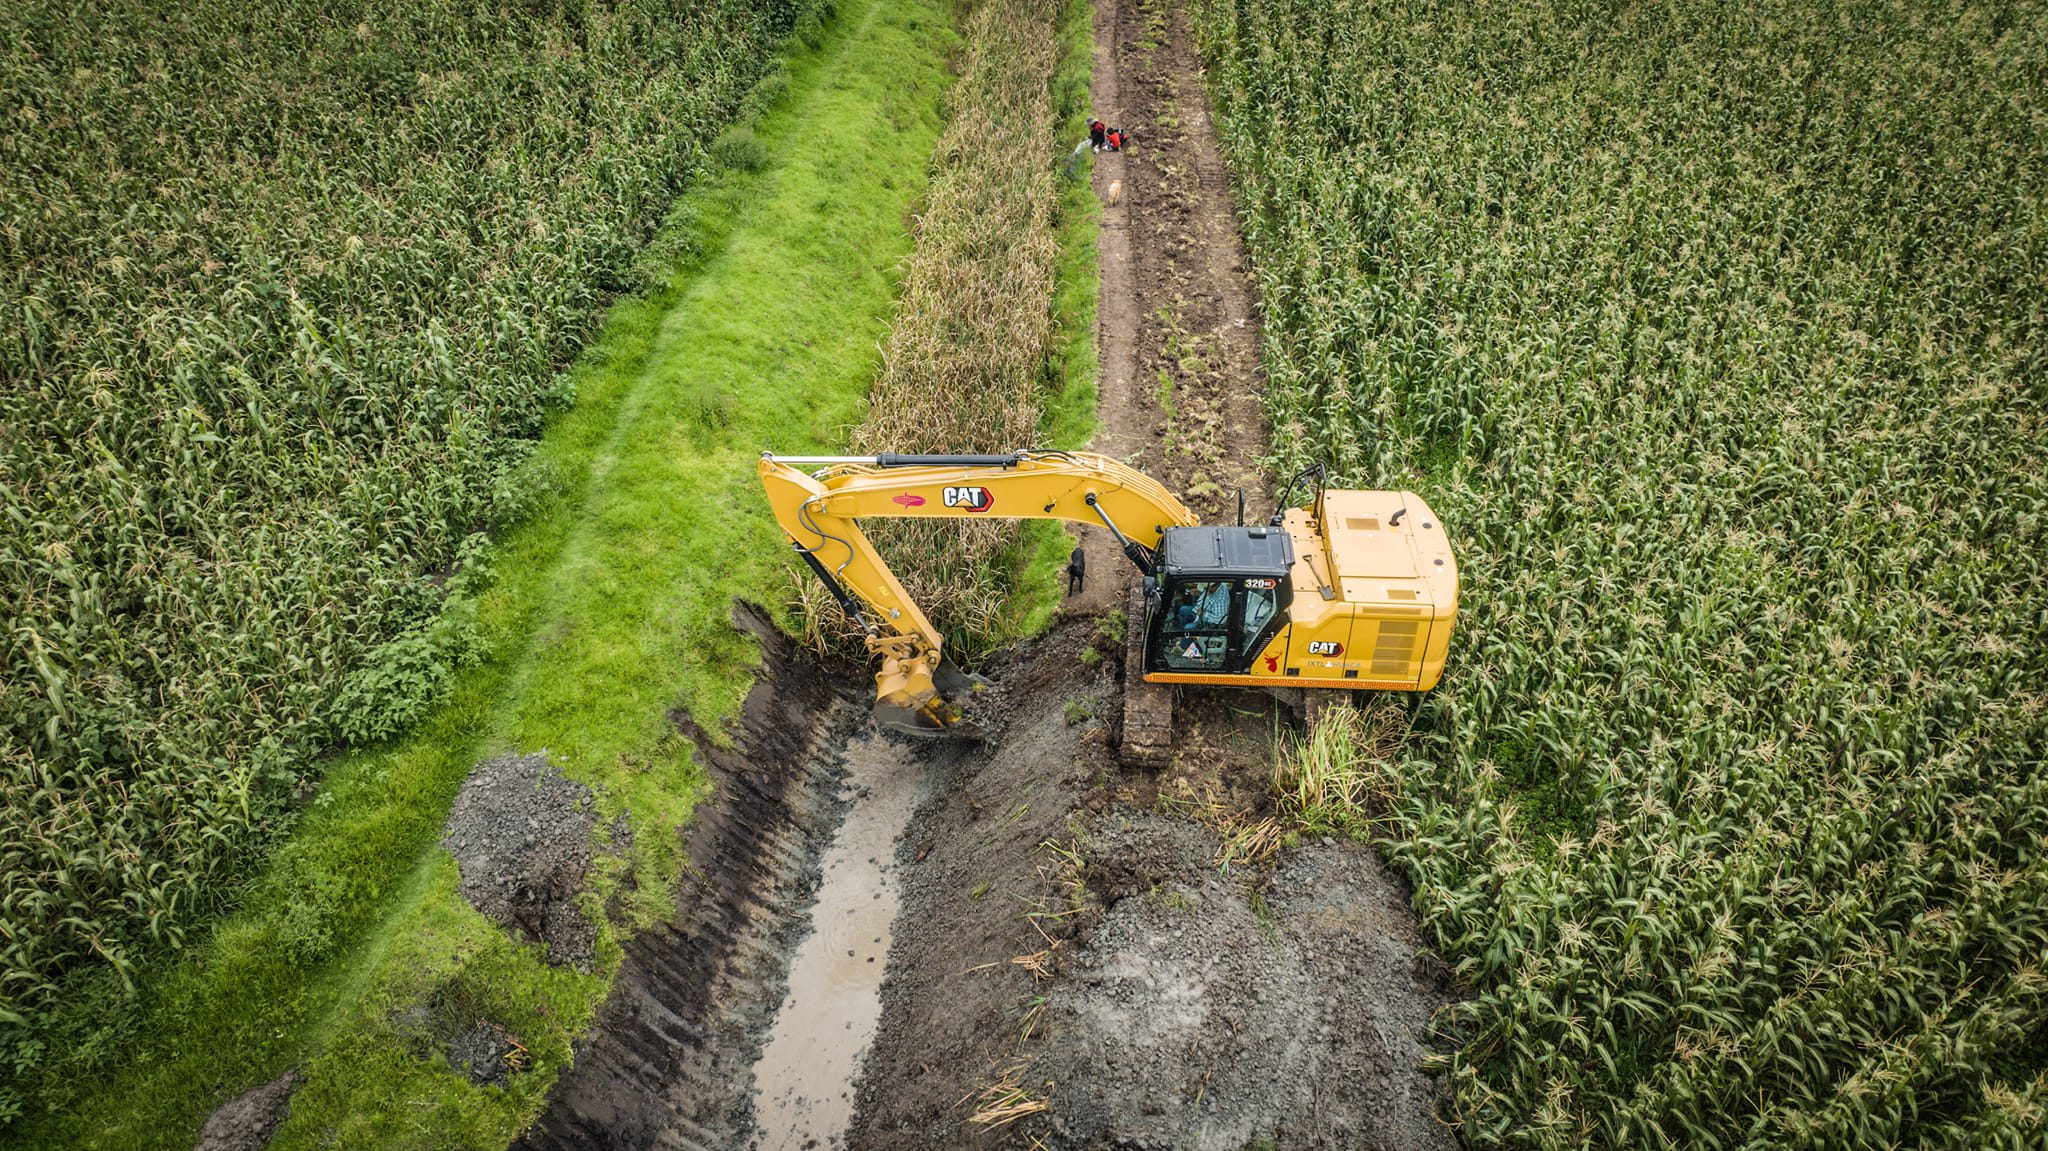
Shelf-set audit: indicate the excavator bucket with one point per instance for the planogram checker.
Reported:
(926, 696)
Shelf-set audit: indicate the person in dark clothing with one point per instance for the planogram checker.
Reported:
(1098, 134)
(1077, 571)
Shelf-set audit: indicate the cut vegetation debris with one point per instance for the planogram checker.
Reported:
(1718, 331)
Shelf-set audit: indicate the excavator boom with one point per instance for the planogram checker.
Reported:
(918, 689)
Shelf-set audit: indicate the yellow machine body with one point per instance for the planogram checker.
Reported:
(1357, 591)
(1373, 599)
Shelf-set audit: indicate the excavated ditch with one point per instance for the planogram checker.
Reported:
(803, 1083)
(669, 1063)
(1069, 939)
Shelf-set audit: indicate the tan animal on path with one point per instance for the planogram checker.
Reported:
(1116, 192)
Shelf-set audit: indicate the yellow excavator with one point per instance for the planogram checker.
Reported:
(1356, 591)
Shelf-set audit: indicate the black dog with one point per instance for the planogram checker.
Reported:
(1077, 571)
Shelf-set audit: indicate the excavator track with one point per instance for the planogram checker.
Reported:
(1148, 707)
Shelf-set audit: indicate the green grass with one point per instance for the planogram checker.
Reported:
(606, 608)
(1069, 418)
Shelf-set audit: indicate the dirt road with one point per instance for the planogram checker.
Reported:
(1177, 320)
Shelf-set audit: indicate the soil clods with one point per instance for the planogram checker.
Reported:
(520, 834)
(246, 1122)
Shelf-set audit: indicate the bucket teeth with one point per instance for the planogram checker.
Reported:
(935, 720)
(923, 695)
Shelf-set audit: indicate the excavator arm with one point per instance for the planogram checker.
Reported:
(918, 688)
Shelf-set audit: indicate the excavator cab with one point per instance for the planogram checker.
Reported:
(1216, 598)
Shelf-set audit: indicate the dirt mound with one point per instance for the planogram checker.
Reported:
(520, 834)
(245, 1123)
(669, 1062)
(1281, 1006)
(957, 1004)
(487, 1053)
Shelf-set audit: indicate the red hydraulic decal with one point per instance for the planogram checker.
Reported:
(908, 500)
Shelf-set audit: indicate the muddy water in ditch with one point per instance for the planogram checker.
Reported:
(803, 1083)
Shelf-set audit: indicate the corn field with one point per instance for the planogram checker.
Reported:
(288, 287)
(1715, 332)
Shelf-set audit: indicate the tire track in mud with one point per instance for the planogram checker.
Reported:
(1193, 398)
(1177, 317)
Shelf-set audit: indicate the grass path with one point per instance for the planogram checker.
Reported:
(605, 609)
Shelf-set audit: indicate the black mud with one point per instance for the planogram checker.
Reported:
(520, 835)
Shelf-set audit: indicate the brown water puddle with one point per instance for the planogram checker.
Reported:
(804, 1081)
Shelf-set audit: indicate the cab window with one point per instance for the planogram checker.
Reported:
(1199, 605)
(1197, 625)
(1259, 606)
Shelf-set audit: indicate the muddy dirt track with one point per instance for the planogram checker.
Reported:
(1082, 955)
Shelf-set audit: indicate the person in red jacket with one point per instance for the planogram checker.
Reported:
(1098, 134)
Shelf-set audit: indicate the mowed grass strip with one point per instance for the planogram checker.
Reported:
(607, 607)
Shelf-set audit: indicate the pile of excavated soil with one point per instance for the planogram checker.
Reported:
(955, 1001)
(246, 1122)
(451, 1021)
(1283, 1005)
(485, 1053)
(520, 834)
(1167, 1001)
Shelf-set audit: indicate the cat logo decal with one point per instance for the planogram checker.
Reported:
(974, 499)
